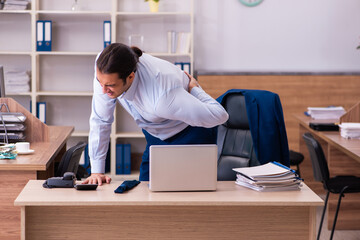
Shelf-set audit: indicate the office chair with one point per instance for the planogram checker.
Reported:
(235, 144)
(295, 159)
(338, 185)
(70, 160)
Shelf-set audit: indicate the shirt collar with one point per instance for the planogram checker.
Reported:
(130, 93)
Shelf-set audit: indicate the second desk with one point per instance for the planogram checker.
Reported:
(343, 157)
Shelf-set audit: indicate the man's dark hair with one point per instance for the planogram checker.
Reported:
(118, 58)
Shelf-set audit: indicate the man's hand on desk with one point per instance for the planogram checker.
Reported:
(97, 178)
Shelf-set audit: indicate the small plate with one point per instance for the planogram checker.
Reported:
(28, 152)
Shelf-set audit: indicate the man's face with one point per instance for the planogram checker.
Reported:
(112, 85)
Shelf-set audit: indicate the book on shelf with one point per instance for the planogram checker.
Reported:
(179, 42)
(272, 176)
(171, 42)
(183, 42)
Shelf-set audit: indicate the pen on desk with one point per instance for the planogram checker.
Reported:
(283, 166)
(292, 170)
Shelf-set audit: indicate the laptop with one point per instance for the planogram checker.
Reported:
(183, 167)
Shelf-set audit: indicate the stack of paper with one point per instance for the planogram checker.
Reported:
(326, 112)
(16, 5)
(17, 81)
(350, 130)
(268, 177)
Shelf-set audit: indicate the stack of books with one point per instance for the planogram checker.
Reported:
(350, 130)
(179, 42)
(272, 176)
(326, 112)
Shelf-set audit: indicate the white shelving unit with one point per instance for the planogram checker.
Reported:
(63, 77)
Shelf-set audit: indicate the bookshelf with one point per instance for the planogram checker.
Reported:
(63, 77)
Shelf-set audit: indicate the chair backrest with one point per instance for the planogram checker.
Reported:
(318, 160)
(70, 160)
(235, 144)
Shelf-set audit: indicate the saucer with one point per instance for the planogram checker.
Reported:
(27, 152)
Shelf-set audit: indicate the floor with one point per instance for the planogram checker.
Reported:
(339, 234)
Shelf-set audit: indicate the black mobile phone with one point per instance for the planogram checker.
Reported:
(86, 186)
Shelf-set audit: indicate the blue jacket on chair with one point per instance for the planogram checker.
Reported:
(267, 127)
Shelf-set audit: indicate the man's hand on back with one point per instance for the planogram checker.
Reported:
(192, 82)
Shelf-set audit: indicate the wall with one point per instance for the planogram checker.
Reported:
(277, 35)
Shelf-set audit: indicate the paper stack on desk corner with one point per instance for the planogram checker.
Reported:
(272, 176)
(326, 112)
(350, 130)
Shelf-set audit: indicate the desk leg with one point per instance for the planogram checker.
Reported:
(22, 223)
(312, 223)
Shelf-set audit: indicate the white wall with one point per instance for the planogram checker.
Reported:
(278, 35)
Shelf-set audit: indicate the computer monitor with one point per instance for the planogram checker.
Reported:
(2, 82)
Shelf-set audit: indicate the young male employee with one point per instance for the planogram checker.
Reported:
(168, 104)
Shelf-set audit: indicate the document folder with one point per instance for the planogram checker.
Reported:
(43, 35)
(123, 159)
(107, 33)
(186, 67)
(179, 64)
(39, 36)
(127, 159)
(119, 159)
(41, 111)
(47, 35)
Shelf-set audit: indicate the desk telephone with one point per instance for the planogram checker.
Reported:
(67, 181)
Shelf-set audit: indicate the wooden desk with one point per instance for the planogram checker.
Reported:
(343, 156)
(14, 174)
(231, 212)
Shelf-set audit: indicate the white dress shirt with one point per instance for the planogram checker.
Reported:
(159, 102)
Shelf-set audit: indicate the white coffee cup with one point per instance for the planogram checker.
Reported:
(22, 146)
